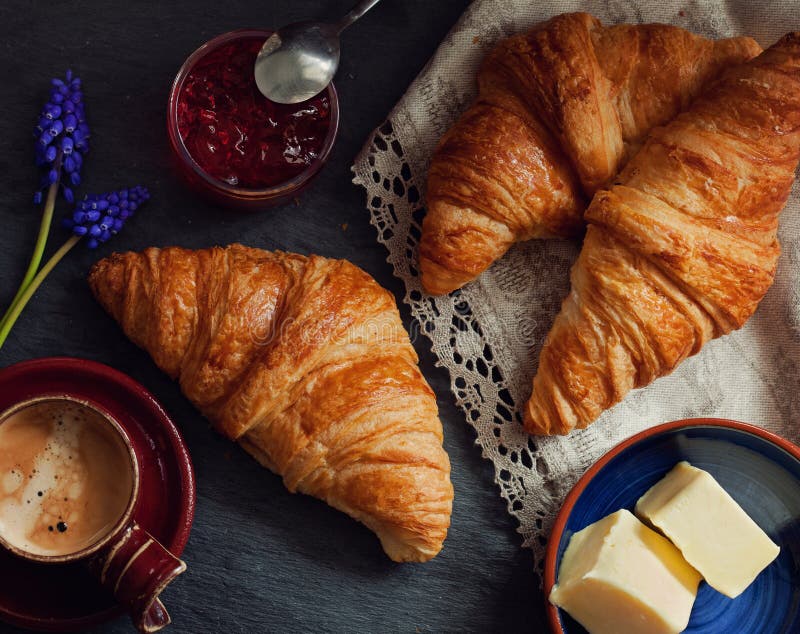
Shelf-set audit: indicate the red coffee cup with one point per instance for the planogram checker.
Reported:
(128, 561)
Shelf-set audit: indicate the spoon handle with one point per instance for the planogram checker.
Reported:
(355, 13)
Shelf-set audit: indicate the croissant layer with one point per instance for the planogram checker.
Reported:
(681, 249)
(305, 362)
(559, 111)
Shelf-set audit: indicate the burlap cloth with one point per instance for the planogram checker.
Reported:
(489, 334)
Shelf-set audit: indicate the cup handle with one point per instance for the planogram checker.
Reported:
(135, 568)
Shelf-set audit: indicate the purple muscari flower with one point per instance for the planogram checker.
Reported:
(62, 136)
(100, 217)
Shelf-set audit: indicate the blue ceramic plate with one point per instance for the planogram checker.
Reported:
(760, 470)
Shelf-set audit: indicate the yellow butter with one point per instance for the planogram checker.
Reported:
(712, 531)
(617, 575)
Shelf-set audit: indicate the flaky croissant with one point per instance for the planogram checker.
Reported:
(559, 111)
(305, 362)
(681, 249)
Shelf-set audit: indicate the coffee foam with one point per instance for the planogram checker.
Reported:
(65, 478)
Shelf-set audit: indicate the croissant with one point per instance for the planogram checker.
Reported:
(559, 111)
(305, 362)
(681, 249)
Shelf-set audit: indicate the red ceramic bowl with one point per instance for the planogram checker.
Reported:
(216, 189)
(65, 597)
(759, 469)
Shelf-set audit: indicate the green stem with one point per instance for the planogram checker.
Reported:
(41, 240)
(17, 308)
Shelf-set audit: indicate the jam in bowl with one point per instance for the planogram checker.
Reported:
(233, 144)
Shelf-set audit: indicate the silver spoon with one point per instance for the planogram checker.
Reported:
(299, 60)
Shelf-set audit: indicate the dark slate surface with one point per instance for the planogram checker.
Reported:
(260, 559)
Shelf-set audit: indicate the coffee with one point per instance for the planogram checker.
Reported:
(66, 478)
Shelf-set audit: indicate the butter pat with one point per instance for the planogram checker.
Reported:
(618, 575)
(712, 531)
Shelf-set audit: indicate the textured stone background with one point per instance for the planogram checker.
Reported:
(260, 559)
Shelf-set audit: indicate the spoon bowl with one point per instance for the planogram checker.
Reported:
(298, 61)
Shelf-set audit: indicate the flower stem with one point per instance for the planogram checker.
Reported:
(16, 309)
(41, 240)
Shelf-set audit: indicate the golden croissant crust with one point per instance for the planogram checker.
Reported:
(305, 362)
(559, 110)
(681, 249)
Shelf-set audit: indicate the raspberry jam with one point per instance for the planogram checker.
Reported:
(237, 135)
